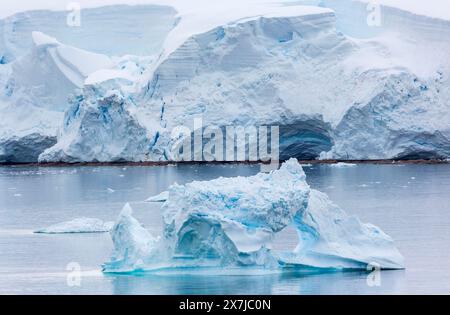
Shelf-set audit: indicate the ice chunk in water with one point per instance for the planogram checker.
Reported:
(230, 223)
(80, 225)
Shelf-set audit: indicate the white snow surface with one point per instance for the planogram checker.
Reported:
(231, 223)
(432, 8)
(75, 64)
(80, 225)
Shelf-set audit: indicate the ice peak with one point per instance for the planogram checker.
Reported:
(127, 210)
(293, 166)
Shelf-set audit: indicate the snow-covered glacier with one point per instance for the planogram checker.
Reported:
(39, 76)
(337, 87)
(231, 223)
(36, 88)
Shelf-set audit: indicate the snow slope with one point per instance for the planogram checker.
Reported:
(141, 30)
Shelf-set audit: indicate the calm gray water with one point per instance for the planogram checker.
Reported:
(410, 202)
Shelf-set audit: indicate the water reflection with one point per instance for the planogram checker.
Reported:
(280, 284)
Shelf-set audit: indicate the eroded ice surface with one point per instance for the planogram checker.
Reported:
(80, 225)
(230, 223)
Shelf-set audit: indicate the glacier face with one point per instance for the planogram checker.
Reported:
(231, 223)
(212, 85)
(36, 88)
(404, 119)
(40, 77)
(338, 88)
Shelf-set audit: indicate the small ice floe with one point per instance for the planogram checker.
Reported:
(413, 178)
(342, 165)
(363, 186)
(110, 190)
(70, 172)
(121, 175)
(162, 197)
(17, 195)
(81, 225)
(306, 165)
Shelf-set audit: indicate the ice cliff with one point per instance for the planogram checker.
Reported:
(40, 77)
(337, 87)
(35, 92)
(231, 223)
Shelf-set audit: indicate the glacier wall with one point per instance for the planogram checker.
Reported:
(242, 74)
(40, 78)
(35, 92)
(24, 149)
(337, 87)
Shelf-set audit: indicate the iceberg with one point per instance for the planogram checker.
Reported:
(162, 197)
(343, 165)
(80, 225)
(132, 242)
(230, 223)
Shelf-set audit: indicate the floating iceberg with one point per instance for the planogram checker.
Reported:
(81, 225)
(162, 197)
(343, 165)
(230, 223)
